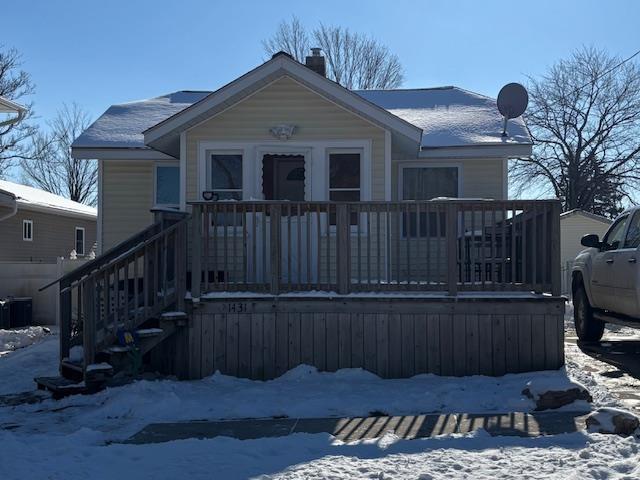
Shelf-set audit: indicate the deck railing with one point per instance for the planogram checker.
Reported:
(440, 245)
(120, 290)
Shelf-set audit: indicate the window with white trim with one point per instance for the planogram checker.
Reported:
(224, 179)
(426, 183)
(344, 179)
(27, 230)
(224, 175)
(167, 187)
(79, 241)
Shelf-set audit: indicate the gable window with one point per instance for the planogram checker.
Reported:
(27, 230)
(344, 179)
(79, 241)
(167, 187)
(427, 183)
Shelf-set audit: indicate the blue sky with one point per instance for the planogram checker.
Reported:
(100, 53)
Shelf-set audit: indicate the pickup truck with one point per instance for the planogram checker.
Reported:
(606, 278)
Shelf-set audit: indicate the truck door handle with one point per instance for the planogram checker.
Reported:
(609, 260)
(632, 260)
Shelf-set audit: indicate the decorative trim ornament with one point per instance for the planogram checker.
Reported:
(282, 132)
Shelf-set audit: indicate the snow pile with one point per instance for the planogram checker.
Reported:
(21, 337)
(612, 420)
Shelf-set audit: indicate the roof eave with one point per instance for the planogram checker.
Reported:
(118, 153)
(478, 150)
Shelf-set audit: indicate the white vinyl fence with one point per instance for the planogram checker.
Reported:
(24, 279)
(566, 278)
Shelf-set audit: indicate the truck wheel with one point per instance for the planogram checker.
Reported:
(588, 328)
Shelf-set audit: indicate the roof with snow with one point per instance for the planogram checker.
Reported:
(594, 216)
(34, 197)
(122, 125)
(448, 116)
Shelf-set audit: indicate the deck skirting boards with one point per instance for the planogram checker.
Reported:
(262, 338)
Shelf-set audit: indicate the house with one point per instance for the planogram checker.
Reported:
(38, 226)
(12, 112)
(289, 220)
(574, 224)
(38, 229)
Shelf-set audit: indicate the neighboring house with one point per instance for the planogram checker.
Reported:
(305, 230)
(574, 224)
(38, 226)
(10, 112)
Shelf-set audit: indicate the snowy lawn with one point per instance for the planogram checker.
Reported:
(13, 339)
(72, 438)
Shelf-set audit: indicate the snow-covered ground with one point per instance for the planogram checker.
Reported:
(72, 438)
(15, 338)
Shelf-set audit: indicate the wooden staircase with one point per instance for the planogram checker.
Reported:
(117, 308)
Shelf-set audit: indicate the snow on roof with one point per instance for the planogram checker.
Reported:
(594, 216)
(122, 125)
(29, 196)
(450, 116)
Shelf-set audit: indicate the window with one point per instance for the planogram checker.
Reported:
(632, 240)
(27, 230)
(614, 236)
(79, 241)
(426, 183)
(344, 180)
(225, 175)
(224, 178)
(167, 185)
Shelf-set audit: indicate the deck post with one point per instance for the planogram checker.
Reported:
(180, 269)
(275, 247)
(452, 248)
(554, 244)
(343, 257)
(89, 323)
(65, 318)
(196, 252)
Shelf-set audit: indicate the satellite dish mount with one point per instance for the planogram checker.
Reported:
(512, 102)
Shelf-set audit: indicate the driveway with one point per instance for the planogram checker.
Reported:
(616, 360)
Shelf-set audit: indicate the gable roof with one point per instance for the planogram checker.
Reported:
(450, 116)
(593, 216)
(36, 199)
(164, 135)
(433, 117)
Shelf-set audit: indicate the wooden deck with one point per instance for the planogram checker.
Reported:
(452, 287)
(391, 336)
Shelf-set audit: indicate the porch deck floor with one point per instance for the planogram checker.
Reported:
(360, 428)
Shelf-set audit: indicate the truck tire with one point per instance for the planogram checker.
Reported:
(588, 328)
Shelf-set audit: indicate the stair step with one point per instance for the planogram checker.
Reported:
(149, 332)
(72, 365)
(60, 386)
(173, 316)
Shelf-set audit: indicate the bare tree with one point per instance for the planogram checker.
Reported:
(51, 166)
(354, 60)
(584, 117)
(16, 85)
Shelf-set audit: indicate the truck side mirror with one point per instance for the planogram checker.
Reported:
(591, 240)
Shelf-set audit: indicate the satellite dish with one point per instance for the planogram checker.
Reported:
(512, 102)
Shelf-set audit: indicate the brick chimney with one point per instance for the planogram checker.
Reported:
(316, 62)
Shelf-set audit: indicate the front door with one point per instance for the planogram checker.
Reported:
(283, 178)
